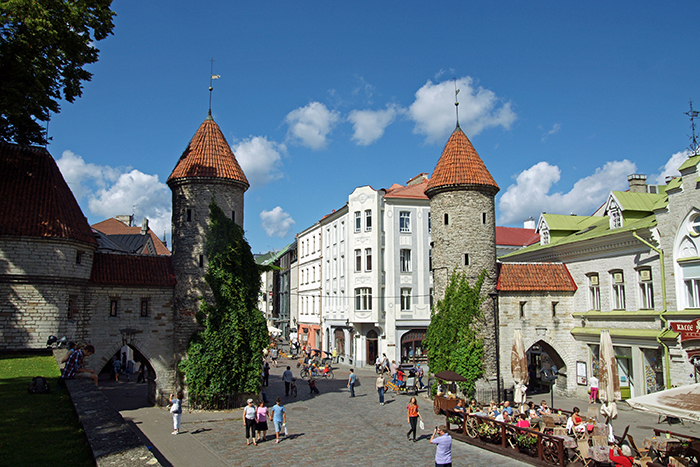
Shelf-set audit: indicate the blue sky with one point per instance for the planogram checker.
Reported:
(562, 100)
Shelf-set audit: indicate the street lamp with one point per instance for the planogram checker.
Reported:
(494, 297)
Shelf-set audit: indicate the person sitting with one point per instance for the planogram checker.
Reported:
(621, 457)
(543, 409)
(312, 387)
(74, 365)
(535, 420)
(523, 421)
(492, 409)
(503, 417)
(460, 409)
(575, 423)
(508, 408)
(472, 406)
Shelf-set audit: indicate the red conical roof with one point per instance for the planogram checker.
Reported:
(460, 167)
(208, 156)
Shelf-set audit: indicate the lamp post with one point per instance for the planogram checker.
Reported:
(494, 297)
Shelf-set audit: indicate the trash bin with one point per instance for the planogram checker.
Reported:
(509, 394)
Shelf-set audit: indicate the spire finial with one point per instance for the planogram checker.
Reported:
(212, 77)
(456, 101)
(693, 114)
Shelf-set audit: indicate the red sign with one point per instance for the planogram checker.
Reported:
(688, 331)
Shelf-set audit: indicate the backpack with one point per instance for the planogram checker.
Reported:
(39, 385)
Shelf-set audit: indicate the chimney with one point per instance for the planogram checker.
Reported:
(144, 227)
(125, 219)
(638, 183)
(529, 223)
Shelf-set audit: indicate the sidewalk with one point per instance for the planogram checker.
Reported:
(326, 428)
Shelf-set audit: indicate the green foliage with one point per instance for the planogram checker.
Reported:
(44, 45)
(452, 339)
(226, 356)
(38, 429)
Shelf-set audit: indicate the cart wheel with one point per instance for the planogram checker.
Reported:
(436, 407)
(471, 426)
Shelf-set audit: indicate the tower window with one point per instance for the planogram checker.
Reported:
(78, 257)
(483, 218)
(113, 304)
(554, 309)
(71, 307)
(522, 309)
(447, 219)
(233, 216)
(466, 259)
(201, 261)
(144, 307)
(189, 215)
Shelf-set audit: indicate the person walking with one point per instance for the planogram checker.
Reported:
(419, 375)
(443, 453)
(266, 374)
(176, 410)
(117, 368)
(279, 418)
(249, 422)
(287, 378)
(394, 371)
(261, 420)
(335, 356)
(274, 354)
(378, 365)
(594, 389)
(413, 416)
(381, 384)
(351, 382)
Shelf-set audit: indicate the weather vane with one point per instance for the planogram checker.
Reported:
(212, 77)
(693, 114)
(456, 101)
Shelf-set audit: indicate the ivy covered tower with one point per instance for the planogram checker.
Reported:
(463, 227)
(207, 170)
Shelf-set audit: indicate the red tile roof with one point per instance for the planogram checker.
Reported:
(460, 167)
(36, 200)
(209, 156)
(133, 270)
(535, 277)
(516, 236)
(113, 226)
(416, 191)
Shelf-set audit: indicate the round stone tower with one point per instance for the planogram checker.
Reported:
(207, 170)
(463, 228)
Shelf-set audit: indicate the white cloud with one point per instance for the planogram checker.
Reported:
(433, 113)
(369, 125)
(111, 192)
(311, 125)
(670, 169)
(276, 222)
(555, 129)
(260, 159)
(530, 196)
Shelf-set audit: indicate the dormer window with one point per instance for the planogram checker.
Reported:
(615, 217)
(544, 236)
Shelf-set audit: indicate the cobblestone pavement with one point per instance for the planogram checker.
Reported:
(329, 428)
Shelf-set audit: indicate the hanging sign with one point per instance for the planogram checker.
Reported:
(688, 331)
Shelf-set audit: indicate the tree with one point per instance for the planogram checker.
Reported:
(44, 45)
(452, 339)
(226, 356)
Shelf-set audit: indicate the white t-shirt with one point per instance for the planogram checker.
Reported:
(594, 382)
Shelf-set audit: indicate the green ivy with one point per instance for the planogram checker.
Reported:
(226, 356)
(452, 339)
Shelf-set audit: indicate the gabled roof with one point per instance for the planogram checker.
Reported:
(561, 222)
(114, 227)
(689, 163)
(208, 155)
(133, 270)
(516, 236)
(460, 167)
(535, 277)
(36, 200)
(629, 201)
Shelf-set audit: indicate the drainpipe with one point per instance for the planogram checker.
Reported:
(667, 359)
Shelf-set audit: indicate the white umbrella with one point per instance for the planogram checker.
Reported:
(518, 367)
(609, 384)
(681, 402)
(274, 330)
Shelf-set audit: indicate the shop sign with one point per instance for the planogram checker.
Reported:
(688, 331)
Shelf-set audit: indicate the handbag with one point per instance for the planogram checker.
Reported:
(421, 424)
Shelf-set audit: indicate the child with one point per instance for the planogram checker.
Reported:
(312, 387)
(176, 410)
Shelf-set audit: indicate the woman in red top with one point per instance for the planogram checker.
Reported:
(413, 416)
(621, 459)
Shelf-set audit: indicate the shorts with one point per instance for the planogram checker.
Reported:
(278, 426)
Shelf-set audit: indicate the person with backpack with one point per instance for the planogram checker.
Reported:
(176, 410)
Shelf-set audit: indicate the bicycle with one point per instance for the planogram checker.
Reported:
(305, 373)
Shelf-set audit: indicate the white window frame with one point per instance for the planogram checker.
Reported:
(405, 299)
(405, 260)
(363, 299)
(368, 220)
(594, 291)
(368, 259)
(618, 290)
(358, 222)
(405, 221)
(692, 292)
(646, 289)
(358, 260)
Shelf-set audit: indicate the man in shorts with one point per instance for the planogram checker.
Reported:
(279, 418)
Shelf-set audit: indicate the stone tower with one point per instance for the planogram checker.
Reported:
(207, 170)
(463, 228)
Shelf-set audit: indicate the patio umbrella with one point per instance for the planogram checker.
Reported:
(681, 402)
(609, 384)
(274, 330)
(518, 367)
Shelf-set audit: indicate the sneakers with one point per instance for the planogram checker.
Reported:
(277, 441)
(175, 432)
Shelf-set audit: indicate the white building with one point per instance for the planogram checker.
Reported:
(309, 246)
